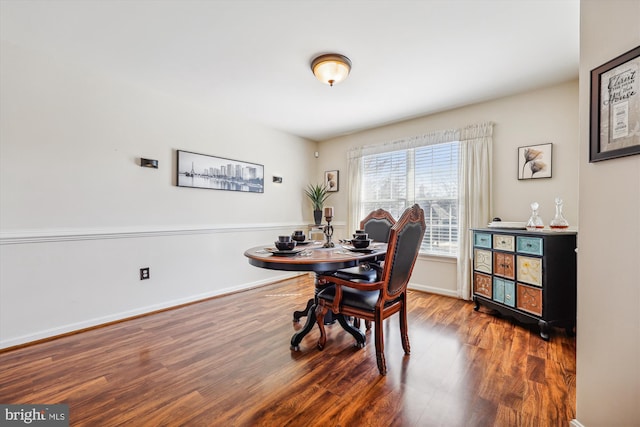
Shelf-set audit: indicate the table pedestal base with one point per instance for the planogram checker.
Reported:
(298, 314)
(330, 317)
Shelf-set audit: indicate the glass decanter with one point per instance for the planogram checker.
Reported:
(559, 222)
(535, 222)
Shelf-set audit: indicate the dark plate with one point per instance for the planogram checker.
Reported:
(306, 242)
(278, 252)
(362, 250)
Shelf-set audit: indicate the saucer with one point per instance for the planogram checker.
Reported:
(277, 252)
(361, 250)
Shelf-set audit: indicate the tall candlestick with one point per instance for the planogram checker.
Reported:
(328, 211)
(328, 232)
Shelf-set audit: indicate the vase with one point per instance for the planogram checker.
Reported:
(317, 217)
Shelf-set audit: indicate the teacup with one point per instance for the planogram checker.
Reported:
(360, 243)
(284, 239)
(285, 246)
(298, 236)
(361, 236)
(359, 231)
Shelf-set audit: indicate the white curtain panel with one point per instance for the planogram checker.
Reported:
(354, 172)
(474, 196)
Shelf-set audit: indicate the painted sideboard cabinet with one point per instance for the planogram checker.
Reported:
(529, 276)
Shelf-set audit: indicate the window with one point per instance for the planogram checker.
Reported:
(425, 175)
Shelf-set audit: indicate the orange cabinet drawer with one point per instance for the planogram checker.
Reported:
(482, 284)
(529, 299)
(503, 265)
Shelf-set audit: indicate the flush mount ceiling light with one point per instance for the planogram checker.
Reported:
(331, 68)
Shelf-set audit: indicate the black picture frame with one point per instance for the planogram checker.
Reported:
(196, 170)
(535, 161)
(615, 108)
(332, 180)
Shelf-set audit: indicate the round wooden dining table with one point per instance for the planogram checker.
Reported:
(313, 257)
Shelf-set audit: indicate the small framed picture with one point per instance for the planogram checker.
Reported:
(332, 181)
(615, 108)
(534, 161)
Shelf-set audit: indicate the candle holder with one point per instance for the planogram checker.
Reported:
(328, 232)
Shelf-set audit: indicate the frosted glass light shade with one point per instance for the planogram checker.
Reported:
(331, 68)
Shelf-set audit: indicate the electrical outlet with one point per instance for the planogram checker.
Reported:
(144, 273)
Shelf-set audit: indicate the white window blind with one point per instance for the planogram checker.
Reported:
(425, 175)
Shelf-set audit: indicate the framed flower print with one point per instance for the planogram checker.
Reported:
(534, 161)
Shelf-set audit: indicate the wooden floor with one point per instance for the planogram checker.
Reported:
(226, 362)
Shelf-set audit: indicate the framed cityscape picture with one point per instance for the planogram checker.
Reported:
(218, 173)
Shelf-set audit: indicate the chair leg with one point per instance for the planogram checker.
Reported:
(356, 323)
(382, 364)
(404, 329)
(321, 310)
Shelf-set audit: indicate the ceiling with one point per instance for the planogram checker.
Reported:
(410, 58)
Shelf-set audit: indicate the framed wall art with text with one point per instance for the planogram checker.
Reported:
(615, 108)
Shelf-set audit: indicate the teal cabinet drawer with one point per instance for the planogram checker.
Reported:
(509, 293)
(504, 291)
(529, 245)
(498, 290)
(482, 240)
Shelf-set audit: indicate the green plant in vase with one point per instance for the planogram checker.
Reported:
(318, 194)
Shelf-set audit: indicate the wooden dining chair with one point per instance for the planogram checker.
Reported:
(377, 224)
(376, 301)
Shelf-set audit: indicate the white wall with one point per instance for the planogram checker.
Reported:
(79, 216)
(537, 117)
(608, 352)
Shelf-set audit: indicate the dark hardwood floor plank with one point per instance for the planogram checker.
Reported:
(226, 361)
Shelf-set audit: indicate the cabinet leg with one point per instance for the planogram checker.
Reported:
(476, 307)
(544, 330)
(569, 331)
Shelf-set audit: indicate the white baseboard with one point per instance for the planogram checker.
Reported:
(98, 321)
(575, 423)
(433, 290)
